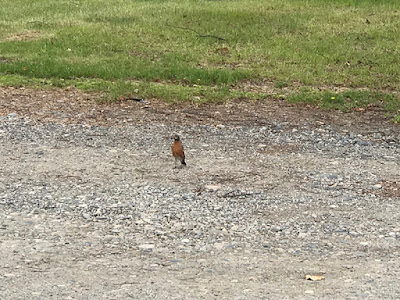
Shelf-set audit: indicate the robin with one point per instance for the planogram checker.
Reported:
(177, 150)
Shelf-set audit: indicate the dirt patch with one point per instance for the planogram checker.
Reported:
(28, 35)
(73, 106)
(270, 88)
(390, 188)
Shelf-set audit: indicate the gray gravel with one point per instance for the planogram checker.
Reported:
(90, 212)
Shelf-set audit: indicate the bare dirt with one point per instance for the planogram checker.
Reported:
(91, 208)
(70, 106)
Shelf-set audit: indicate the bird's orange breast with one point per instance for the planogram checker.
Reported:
(177, 149)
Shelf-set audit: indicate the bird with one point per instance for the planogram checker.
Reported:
(177, 150)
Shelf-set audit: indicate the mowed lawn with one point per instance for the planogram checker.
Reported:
(207, 50)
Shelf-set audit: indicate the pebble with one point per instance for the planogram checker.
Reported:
(363, 143)
(86, 216)
(146, 246)
(377, 186)
(276, 228)
(212, 187)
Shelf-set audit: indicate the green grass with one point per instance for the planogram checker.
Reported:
(161, 48)
(396, 119)
(347, 100)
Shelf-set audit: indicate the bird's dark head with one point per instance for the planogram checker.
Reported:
(175, 137)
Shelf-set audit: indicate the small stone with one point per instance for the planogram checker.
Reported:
(234, 228)
(377, 186)
(35, 211)
(146, 246)
(154, 265)
(212, 187)
(309, 292)
(276, 228)
(205, 248)
(363, 143)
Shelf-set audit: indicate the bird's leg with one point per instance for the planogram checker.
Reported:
(181, 165)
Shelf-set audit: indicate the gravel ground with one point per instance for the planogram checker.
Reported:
(97, 211)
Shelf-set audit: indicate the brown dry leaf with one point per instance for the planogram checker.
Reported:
(315, 277)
